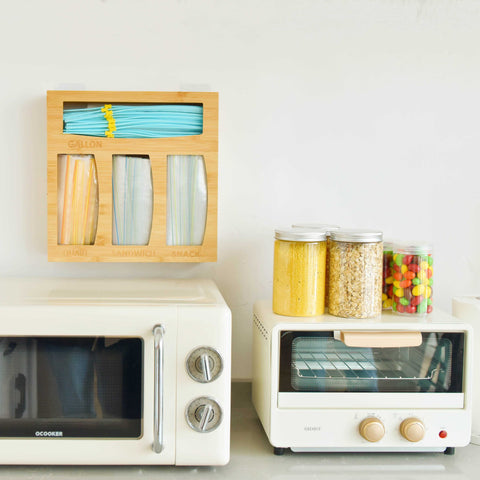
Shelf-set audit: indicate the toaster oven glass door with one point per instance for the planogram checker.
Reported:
(71, 387)
(318, 362)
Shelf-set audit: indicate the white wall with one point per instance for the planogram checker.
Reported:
(356, 112)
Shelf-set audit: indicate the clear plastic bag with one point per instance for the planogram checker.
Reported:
(186, 199)
(132, 191)
(77, 193)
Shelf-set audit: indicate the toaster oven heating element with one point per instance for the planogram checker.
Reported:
(326, 364)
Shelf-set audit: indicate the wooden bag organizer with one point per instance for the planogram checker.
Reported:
(103, 149)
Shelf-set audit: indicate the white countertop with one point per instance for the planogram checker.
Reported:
(252, 458)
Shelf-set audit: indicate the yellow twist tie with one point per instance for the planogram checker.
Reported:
(107, 108)
(108, 114)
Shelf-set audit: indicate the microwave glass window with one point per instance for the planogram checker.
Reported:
(317, 362)
(71, 387)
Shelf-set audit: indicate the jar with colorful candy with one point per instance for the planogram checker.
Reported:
(387, 285)
(412, 279)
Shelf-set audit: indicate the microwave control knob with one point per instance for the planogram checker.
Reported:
(412, 429)
(372, 429)
(204, 414)
(204, 364)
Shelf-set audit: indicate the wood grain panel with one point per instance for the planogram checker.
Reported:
(157, 149)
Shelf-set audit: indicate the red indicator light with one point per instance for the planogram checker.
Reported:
(442, 434)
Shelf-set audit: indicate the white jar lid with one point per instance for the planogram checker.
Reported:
(300, 235)
(356, 235)
(326, 227)
(413, 248)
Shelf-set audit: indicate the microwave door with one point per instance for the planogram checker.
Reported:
(77, 387)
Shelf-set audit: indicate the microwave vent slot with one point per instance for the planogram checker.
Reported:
(263, 331)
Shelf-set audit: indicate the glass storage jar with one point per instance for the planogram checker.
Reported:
(327, 228)
(412, 278)
(299, 272)
(356, 261)
(387, 276)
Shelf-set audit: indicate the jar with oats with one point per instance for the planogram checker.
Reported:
(299, 272)
(356, 265)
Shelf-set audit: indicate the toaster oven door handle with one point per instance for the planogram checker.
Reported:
(158, 334)
(374, 339)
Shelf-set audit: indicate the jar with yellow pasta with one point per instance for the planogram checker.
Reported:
(299, 272)
(327, 228)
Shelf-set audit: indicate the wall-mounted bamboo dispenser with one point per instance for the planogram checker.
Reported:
(132, 176)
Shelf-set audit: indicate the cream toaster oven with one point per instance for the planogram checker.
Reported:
(396, 384)
(114, 372)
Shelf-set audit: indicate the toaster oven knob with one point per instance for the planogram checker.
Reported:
(204, 414)
(372, 429)
(204, 364)
(412, 429)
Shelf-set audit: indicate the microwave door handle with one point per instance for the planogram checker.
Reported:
(158, 333)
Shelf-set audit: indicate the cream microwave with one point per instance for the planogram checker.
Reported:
(114, 372)
(395, 384)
